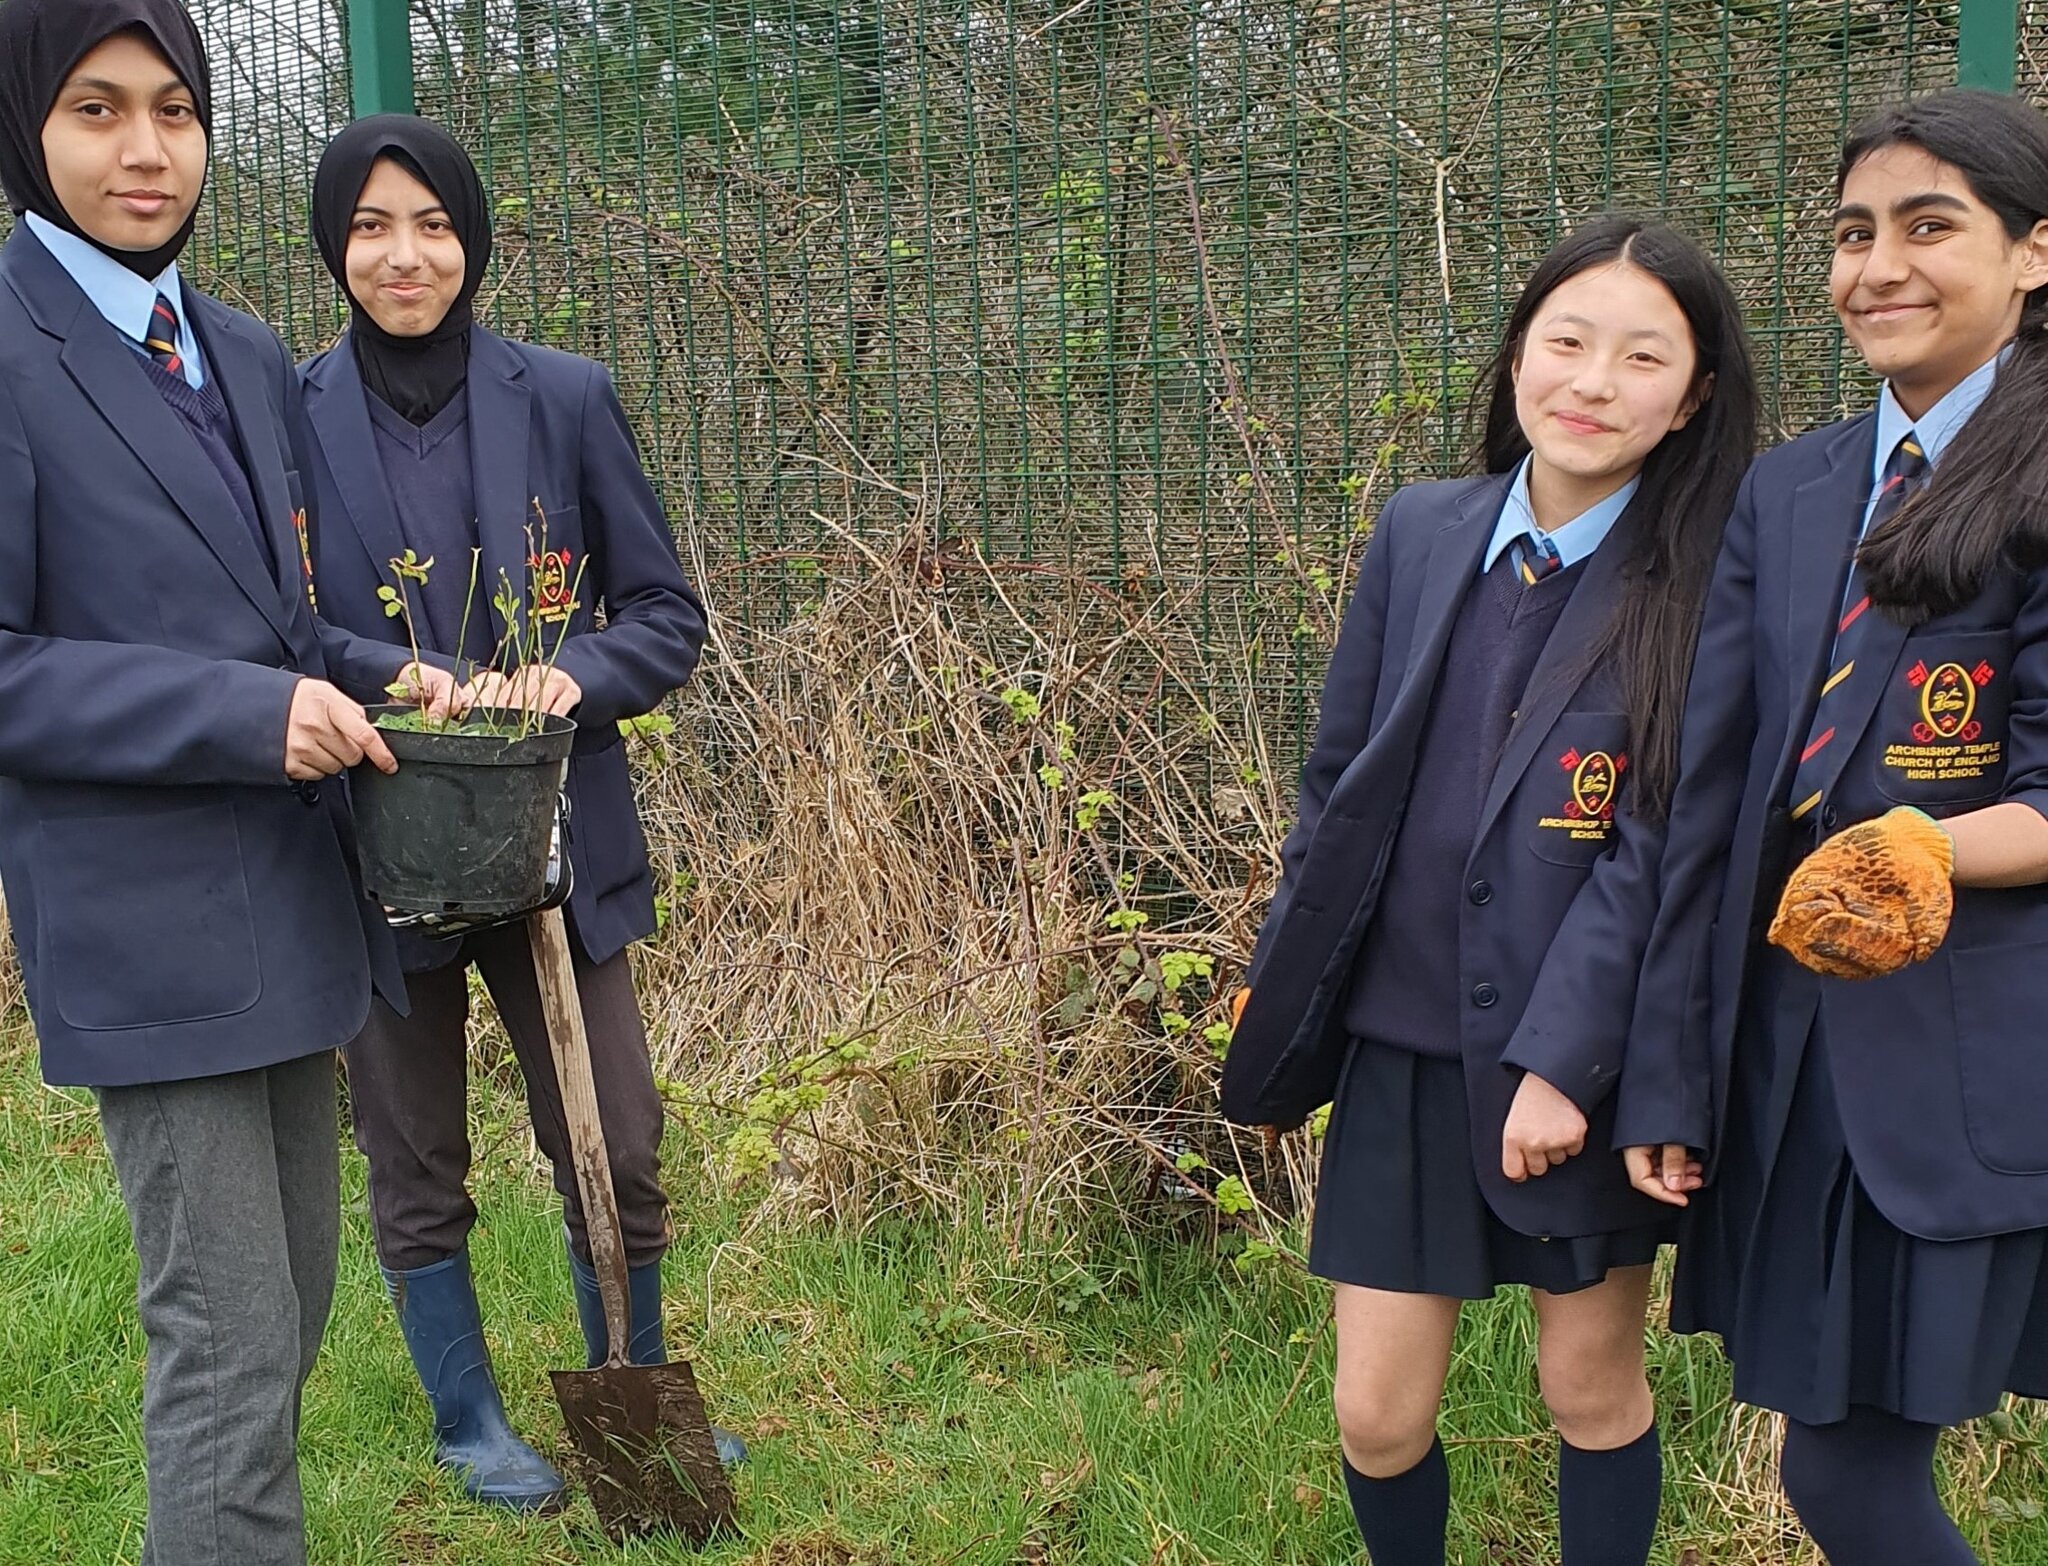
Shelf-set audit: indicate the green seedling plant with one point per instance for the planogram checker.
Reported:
(523, 645)
(397, 603)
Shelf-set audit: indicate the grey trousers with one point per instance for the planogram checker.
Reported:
(233, 1192)
(408, 1081)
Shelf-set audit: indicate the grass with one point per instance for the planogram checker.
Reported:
(913, 1392)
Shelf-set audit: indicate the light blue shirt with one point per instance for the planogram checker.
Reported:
(1934, 429)
(125, 299)
(1574, 540)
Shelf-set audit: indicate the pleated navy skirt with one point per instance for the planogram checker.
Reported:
(1819, 1299)
(1399, 1208)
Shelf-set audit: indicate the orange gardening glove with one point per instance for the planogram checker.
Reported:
(1237, 1002)
(1870, 899)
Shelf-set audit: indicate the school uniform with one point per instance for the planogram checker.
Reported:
(1875, 1230)
(532, 426)
(188, 921)
(1467, 794)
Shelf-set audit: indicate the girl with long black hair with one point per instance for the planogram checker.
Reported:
(1452, 952)
(1846, 975)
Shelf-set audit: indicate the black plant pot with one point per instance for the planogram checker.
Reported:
(463, 825)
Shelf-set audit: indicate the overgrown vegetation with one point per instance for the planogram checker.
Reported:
(1023, 381)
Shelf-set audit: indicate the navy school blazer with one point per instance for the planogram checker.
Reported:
(542, 425)
(1940, 1071)
(1548, 855)
(180, 910)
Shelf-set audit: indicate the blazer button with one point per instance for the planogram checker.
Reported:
(1482, 892)
(1829, 816)
(1484, 995)
(308, 792)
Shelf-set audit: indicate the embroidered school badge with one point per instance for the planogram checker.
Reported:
(1952, 715)
(1593, 784)
(553, 586)
(1948, 701)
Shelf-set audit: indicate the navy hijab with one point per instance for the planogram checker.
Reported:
(416, 376)
(41, 43)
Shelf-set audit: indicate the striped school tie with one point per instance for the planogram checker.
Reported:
(162, 341)
(1820, 762)
(1535, 557)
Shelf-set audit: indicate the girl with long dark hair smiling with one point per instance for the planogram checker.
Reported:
(1846, 972)
(1452, 952)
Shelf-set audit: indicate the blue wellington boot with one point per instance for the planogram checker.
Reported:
(645, 1345)
(444, 1331)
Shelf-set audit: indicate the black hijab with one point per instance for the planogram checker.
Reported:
(41, 43)
(417, 376)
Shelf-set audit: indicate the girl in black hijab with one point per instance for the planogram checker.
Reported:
(45, 40)
(417, 376)
(436, 435)
(163, 684)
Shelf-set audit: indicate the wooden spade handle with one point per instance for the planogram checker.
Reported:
(563, 1008)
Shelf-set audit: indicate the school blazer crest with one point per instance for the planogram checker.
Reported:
(1557, 849)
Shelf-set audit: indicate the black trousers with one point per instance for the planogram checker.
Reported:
(408, 1087)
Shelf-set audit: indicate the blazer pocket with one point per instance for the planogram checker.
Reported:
(2002, 1055)
(1571, 790)
(1941, 723)
(146, 918)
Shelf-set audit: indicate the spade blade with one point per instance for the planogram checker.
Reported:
(646, 1450)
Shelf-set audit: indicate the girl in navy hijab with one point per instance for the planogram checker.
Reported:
(434, 434)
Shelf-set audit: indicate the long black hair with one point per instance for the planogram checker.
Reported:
(1986, 504)
(1672, 528)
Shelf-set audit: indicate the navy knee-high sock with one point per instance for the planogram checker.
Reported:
(1403, 1519)
(1607, 1501)
(1864, 1489)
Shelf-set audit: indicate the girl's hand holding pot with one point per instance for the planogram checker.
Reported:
(534, 686)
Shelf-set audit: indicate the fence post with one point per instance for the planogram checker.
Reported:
(1987, 43)
(380, 56)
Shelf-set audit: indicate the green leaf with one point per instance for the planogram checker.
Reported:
(1233, 1198)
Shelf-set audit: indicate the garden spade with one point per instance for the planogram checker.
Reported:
(648, 1457)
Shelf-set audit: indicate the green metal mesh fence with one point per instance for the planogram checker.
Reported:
(280, 82)
(1171, 294)
(1168, 293)
(2032, 73)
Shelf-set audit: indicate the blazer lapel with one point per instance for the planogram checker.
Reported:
(1561, 668)
(500, 412)
(109, 373)
(1453, 568)
(340, 416)
(232, 362)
